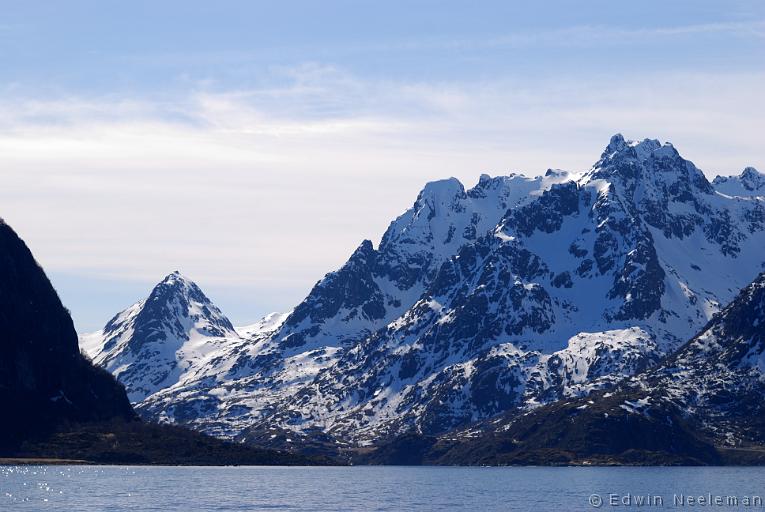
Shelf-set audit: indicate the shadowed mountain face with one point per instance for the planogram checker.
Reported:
(44, 380)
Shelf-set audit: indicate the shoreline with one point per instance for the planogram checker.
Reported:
(31, 461)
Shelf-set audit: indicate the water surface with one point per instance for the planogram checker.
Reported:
(117, 488)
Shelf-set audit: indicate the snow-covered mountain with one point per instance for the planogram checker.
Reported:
(372, 289)
(151, 344)
(750, 182)
(376, 286)
(514, 293)
(703, 405)
(589, 281)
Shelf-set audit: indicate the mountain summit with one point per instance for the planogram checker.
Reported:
(150, 344)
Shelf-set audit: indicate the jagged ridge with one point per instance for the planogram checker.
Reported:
(514, 293)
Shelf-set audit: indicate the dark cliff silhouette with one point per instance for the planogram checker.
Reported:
(55, 404)
(44, 380)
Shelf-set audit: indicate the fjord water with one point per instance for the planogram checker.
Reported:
(114, 488)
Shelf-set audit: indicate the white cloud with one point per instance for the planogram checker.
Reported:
(269, 189)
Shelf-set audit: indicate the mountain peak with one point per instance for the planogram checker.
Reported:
(502, 184)
(176, 296)
(619, 147)
(176, 284)
(175, 278)
(146, 342)
(752, 179)
(752, 173)
(363, 255)
(440, 192)
(616, 144)
(750, 182)
(650, 162)
(175, 274)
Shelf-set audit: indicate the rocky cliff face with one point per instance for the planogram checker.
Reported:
(702, 404)
(44, 380)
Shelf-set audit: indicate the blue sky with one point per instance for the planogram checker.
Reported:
(151, 47)
(253, 145)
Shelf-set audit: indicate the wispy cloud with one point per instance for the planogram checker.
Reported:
(269, 188)
(577, 35)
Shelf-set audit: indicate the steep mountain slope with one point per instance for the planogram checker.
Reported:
(512, 294)
(377, 286)
(44, 380)
(153, 342)
(701, 405)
